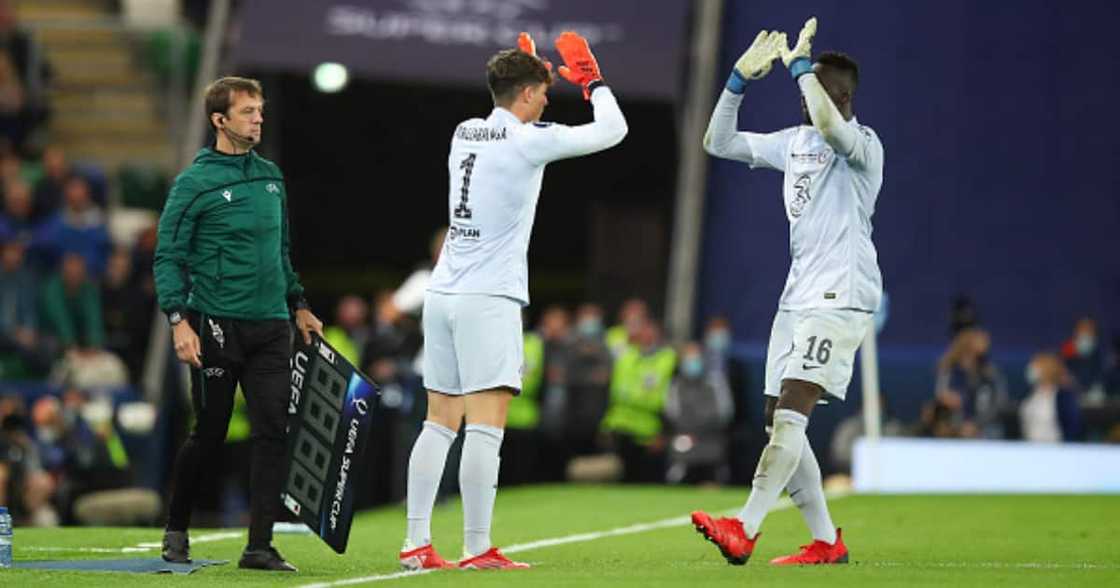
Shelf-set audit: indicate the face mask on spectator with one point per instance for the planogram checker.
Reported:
(1032, 375)
(1085, 344)
(692, 366)
(590, 327)
(718, 340)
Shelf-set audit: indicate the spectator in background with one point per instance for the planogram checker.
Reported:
(639, 388)
(49, 188)
(1085, 358)
(1051, 412)
(745, 442)
(698, 409)
(79, 227)
(126, 311)
(393, 341)
(25, 487)
(1112, 369)
(556, 332)
(14, 113)
(387, 357)
(19, 321)
(350, 333)
(143, 255)
(71, 307)
(30, 63)
(632, 316)
(520, 452)
(588, 378)
(409, 297)
(971, 388)
(16, 219)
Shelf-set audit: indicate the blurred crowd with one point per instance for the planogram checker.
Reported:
(1070, 396)
(75, 317)
(75, 310)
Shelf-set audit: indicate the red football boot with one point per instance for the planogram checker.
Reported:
(817, 552)
(727, 534)
(491, 560)
(423, 558)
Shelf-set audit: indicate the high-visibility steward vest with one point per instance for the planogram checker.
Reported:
(525, 409)
(639, 387)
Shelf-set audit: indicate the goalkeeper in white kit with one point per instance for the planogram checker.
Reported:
(472, 308)
(833, 170)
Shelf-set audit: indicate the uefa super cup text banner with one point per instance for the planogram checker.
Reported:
(328, 424)
(641, 44)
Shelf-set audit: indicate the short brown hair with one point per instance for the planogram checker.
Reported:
(219, 94)
(512, 69)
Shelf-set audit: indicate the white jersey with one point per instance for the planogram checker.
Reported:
(496, 166)
(829, 199)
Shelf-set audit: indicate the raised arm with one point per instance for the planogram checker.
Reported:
(859, 146)
(545, 142)
(723, 138)
(542, 142)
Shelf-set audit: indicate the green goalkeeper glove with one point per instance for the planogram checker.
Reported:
(797, 59)
(756, 60)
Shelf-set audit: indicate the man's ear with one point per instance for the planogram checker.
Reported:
(215, 119)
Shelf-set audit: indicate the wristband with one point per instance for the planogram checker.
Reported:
(298, 303)
(736, 83)
(800, 66)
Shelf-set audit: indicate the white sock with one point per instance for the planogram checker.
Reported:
(478, 485)
(775, 467)
(425, 470)
(806, 491)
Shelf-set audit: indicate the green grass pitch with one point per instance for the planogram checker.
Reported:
(957, 541)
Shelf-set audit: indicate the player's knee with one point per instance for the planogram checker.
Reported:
(799, 395)
(446, 411)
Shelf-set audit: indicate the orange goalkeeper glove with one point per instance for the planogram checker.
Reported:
(580, 67)
(526, 44)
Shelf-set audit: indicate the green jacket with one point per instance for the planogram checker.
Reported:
(225, 225)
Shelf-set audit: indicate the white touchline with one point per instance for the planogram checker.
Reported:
(88, 549)
(207, 538)
(782, 504)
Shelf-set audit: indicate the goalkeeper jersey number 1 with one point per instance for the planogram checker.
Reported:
(496, 166)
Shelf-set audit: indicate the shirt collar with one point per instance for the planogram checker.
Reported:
(504, 115)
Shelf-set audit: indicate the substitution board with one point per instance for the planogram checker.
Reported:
(328, 424)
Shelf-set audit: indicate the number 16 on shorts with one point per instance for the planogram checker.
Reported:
(824, 348)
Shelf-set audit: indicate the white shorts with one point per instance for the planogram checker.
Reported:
(472, 342)
(817, 345)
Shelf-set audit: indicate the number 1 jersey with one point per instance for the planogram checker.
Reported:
(496, 166)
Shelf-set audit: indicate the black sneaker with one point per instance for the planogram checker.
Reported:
(176, 547)
(264, 559)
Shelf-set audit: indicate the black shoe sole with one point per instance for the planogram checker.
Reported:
(731, 559)
(265, 568)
